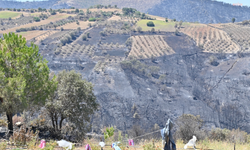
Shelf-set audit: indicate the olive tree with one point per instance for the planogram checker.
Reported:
(72, 103)
(24, 76)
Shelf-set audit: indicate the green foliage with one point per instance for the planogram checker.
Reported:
(53, 12)
(128, 11)
(233, 20)
(36, 19)
(72, 93)
(84, 37)
(92, 19)
(77, 10)
(88, 35)
(150, 24)
(166, 19)
(109, 133)
(24, 76)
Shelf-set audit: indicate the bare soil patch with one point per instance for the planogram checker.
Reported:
(42, 22)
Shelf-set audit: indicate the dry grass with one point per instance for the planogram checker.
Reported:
(211, 39)
(151, 45)
(31, 34)
(73, 25)
(11, 14)
(206, 144)
(42, 22)
(160, 25)
(95, 9)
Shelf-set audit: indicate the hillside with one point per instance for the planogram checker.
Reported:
(203, 69)
(203, 11)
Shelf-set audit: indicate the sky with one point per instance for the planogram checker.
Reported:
(244, 2)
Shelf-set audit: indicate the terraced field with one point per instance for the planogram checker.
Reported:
(74, 26)
(42, 22)
(239, 34)
(73, 50)
(211, 39)
(44, 36)
(150, 45)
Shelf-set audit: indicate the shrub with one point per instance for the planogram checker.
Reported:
(103, 33)
(213, 61)
(53, 12)
(139, 29)
(61, 29)
(84, 37)
(88, 35)
(92, 19)
(150, 24)
(153, 30)
(36, 19)
(189, 125)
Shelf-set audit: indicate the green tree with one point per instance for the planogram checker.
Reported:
(166, 19)
(180, 23)
(36, 19)
(150, 24)
(77, 10)
(139, 29)
(84, 37)
(73, 100)
(233, 20)
(24, 76)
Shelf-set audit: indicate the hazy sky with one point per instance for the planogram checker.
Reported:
(244, 2)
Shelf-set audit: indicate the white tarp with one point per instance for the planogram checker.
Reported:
(65, 144)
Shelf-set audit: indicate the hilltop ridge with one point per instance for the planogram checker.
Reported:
(203, 11)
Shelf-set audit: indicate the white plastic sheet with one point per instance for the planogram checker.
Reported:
(65, 144)
(191, 142)
(102, 144)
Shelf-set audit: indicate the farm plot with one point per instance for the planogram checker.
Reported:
(241, 35)
(211, 39)
(149, 45)
(160, 25)
(82, 25)
(71, 50)
(9, 14)
(44, 36)
(31, 34)
(42, 22)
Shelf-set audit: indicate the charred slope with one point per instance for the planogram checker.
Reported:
(203, 11)
(190, 85)
(54, 4)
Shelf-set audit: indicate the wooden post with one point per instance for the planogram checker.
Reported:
(234, 145)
